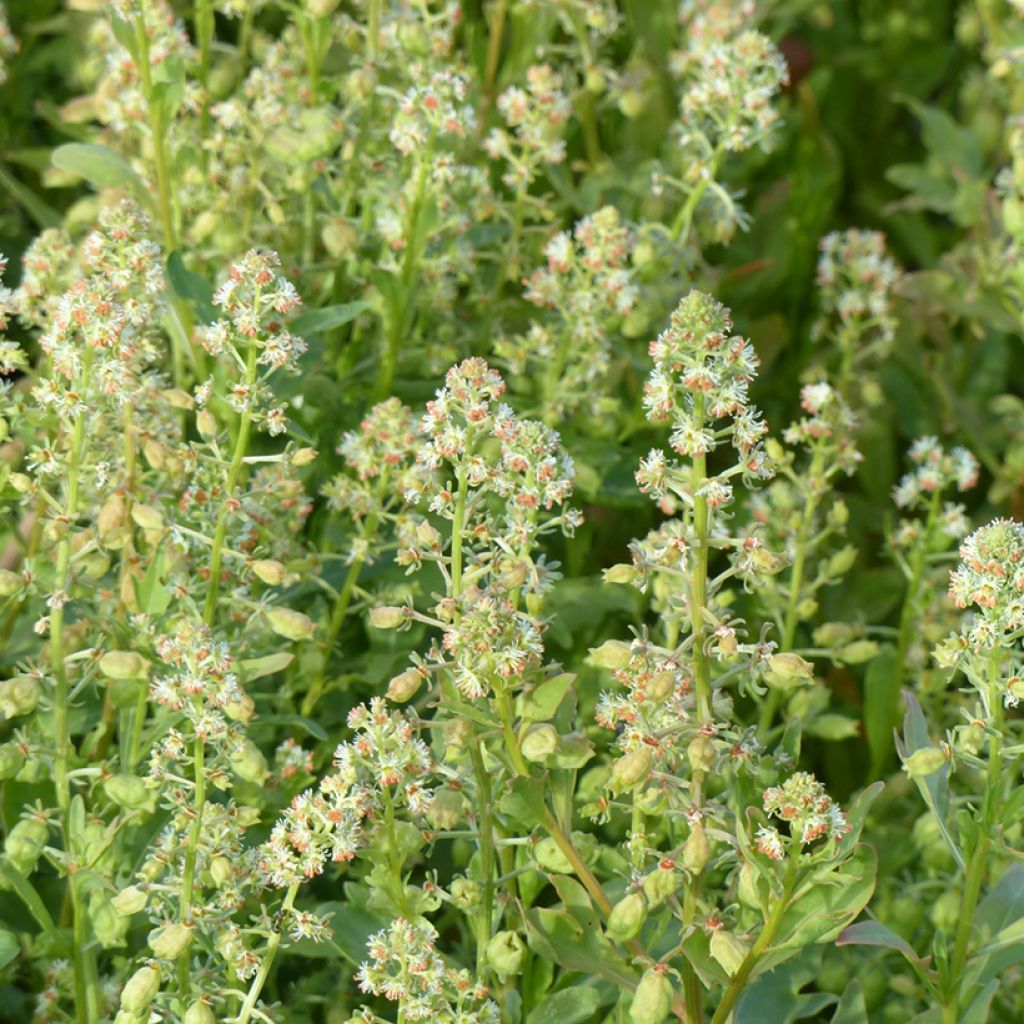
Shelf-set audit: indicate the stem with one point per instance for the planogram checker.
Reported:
(739, 979)
(268, 961)
(204, 33)
(191, 854)
(496, 29)
(684, 219)
(458, 524)
(484, 918)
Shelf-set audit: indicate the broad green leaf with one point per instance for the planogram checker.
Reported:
(775, 998)
(541, 703)
(153, 597)
(98, 165)
(257, 668)
(852, 1009)
(570, 1006)
(557, 935)
(874, 933)
(9, 947)
(195, 290)
(327, 318)
(523, 801)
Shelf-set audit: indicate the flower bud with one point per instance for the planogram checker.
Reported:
(269, 571)
(946, 911)
(12, 757)
(839, 513)
(540, 743)
(221, 870)
(659, 885)
(627, 918)
(611, 654)
(199, 1013)
(505, 954)
(129, 792)
(729, 951)
(11, 583)
(20, 695)
(696, 849)
(701, 753)
(248, 762)
(404, 686)
(129, 900)
(925, 761)
(387, 617)
(842, 561)
(972, 739)
(123, 665)
(241, 710)
(21, 482)
(630, 769)
(652, 1000)
(146, 517)
(169, 941)
(787, 670)
(140, 989)
(622, 573)
(290, 624)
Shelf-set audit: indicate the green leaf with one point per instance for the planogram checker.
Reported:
(775, 998)
(257, 668)
(524, 801)
(315, 729)
(351, 925)
(9, 947)
(153, 597)
(541, 703)
(40, 211)
(26, 891)
(195, 290)
(557, 935)
(852, 1009)
(98, 165)
(570, 1006)
(328, 317)
(874, 933)
(881, 707)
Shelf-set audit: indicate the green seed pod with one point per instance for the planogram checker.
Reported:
(129, 900)
(832, 634)
(550, 857)
(199, 1013)
(446, 810)
(505, 954)
(946, 911)
(630, 769)
(404, 686)
(387, 617)
(24, 843)
(221, 870)
(661, 686)
(659, 885)
(19, 695)
(146, 517)
(540, 743)
(925, 761)
(465, 893)
(11, 583)
(858, 652)
(290, 624)
(701, 753)
(269, 571)
(696, 849)
(129, 792)
(123, 665)
(842, 561)
(140, 989)
(623, 573)
(108, 925)
(746, 886)
(248, 762)
(12, 757)
(729, 951)
(627, 918)
(611, 654)
(631, 104)
(652, 1000)
(787, 670)
(169, 941)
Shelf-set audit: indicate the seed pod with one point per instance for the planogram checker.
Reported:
(550, 857)
(858, 652)
(129, 792)
(659, 885)
(248, 762)
(24, 843)
(622, 573)
(19, 696)
(170, 940)
(123, 665)
(946, 911)
(445, 811)
(206, 423)
(404, 686)
(129, 900)
(540, 743)
(611, 654)
(12, 757)
(178, 399)
(146, 517)
(290, 624)
(140, 989)
(652, 999)
(630, 769)
(387, 617)
(11, 583)
(269, 571)
(701, 753)
(842, 561)
(108, 926)
(303, 456)
(661, 686)
(787, 670)
(505, 954)
(729, 951)
(627, 918)
(465, 893)
(111, 515)
(199, 1013)
(746, 886)
(221, 870)
(696, 849)
(832, 634)
(925, 761)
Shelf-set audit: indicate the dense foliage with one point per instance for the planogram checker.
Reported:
(509, 511)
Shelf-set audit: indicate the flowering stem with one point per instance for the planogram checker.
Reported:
(483, 924)
(191, 853)
(269, 953)
(458, 525)
(764, 940)
(684, 219)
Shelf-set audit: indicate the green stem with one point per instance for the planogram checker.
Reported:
(263, 973)
(764, 940)
(486, 843)
(496, 29)
(458, 525)
(191, 855)
(684, 219)
(204, 33)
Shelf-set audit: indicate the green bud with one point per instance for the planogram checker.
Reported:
(129, 900)
(303, 457)
(19, 695)
(146, 517)
(787, 670)
(652, 1000)
(199, 1013)
(269, 571)
(574, 751)
(696, 849)
(290, 624)
(12, 757)
(627, 918)
(972, 739)
(842, 561)
(465, 893)
(140, 989)
(129, 792)
(832, 634)
(701, 753)
(505, 954)
(169, 941)
(11, 583)
(630, 769)
(221, 870)
(839, 513)
(631, 104)
(858, 652)
(123, 665)
(746, 886)
(24, 843)
(729, 951)
(248, 762)
(946, 911)
(404, 686)
(661, 686)
(540, 743)
(925, 761)
(108, 926)
(659, 885)
(611, 654)
(622, 573)
(387, 617)
(446, 810)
